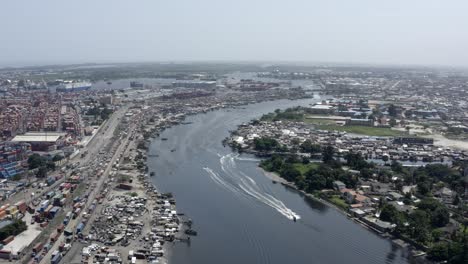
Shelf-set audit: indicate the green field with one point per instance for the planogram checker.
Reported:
(336, 200)
(303, 168)
(363, 130)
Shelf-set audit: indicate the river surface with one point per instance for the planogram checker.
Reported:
(240, 215)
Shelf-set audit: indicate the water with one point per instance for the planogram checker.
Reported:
(240, 215)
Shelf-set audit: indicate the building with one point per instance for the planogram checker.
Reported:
(194, 84)
(320, 109)
(413, 141)
(378, 224)
(42, 141)
(360, 122)
(445, 195)
(338, 185)
(108, 100)
(353, 197)
(74, 87)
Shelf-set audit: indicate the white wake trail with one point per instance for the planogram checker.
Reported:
(248, 186)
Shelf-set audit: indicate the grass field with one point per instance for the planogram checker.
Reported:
(336, 200)
(363, 130)
(303, 168)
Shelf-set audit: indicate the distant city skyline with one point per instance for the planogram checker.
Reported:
(425, 33)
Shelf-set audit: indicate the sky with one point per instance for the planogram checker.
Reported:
(394, 32)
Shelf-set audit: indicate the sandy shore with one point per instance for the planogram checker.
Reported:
(274, 177)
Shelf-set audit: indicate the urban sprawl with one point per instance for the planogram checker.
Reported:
(386, 146)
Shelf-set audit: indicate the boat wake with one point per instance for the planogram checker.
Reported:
(242, 185)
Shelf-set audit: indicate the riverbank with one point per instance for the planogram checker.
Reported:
(395, 240)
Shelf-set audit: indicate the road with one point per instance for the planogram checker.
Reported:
(90, 161)
(95, 146)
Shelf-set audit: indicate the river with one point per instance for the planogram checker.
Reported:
(240, 215)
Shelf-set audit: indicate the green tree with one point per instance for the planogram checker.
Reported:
(265, 144)
(327, 154)
(392, 110)
(389, 213)
(438, 252)
(440, 217)
(36, 161)
(316, 181)
(289, 173)
(42, 172)
(308, 147)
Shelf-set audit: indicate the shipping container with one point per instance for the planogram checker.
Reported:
(53, 212)
(47, 210)
(50, 194)
(76, 212)
(37, 248)
(60, 228)
(54, 236)
(67, 232)
(79, 228)
(56, 259)
(21, 206)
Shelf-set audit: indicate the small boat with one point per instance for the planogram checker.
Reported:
(274, 182)
(172, 150)
(164, 139)
(109, 83)
(294, 219)
(152, 174)
(191, 232)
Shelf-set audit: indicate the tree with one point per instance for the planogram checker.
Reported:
(419, 226)
(438, 252)
(316, 180)
(385, 158)
(13, 229)
(57, 158)
(440, 217)
(36, 161)
(389, 213)
(308, 147)
(356, 161)
(327, 154)
(396, 166)
(265, 144)
(42, 172)
(392, 122)
(424, 188)
(392, 110)
(289, 172)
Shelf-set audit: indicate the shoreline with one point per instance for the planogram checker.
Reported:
(385, 235)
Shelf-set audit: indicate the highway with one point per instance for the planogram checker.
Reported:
(88, 166)
(95, 146)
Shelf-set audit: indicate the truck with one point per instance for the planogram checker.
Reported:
(67, 218)
(79, 228)
(37, 248)
(56, 259)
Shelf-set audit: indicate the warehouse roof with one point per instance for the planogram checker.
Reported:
(38, 137)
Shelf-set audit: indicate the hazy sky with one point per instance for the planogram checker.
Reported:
(350, 31)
